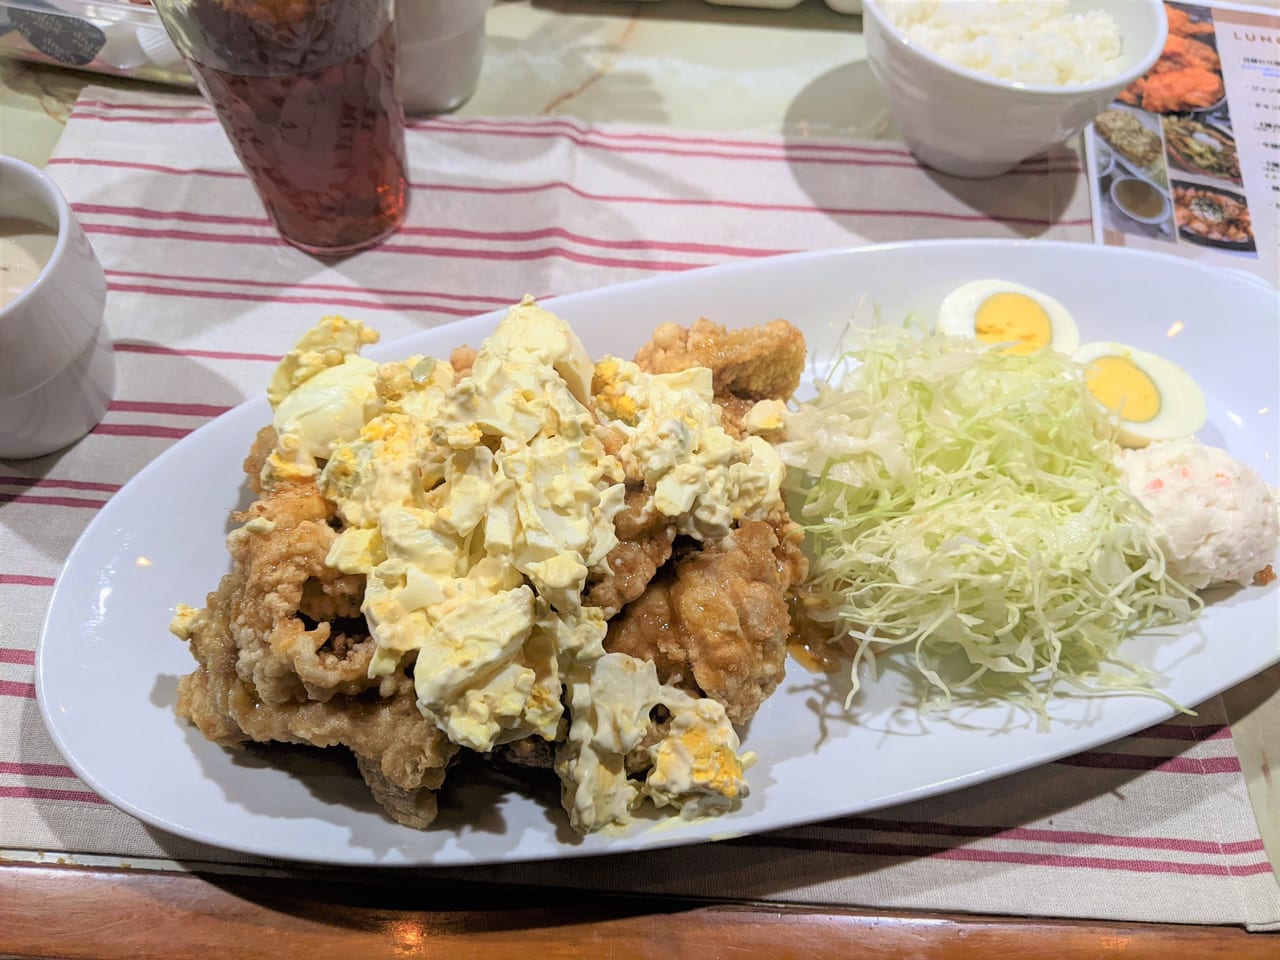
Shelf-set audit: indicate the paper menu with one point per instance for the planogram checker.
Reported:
(1187, 159)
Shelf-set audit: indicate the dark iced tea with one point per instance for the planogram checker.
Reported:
(305, 90)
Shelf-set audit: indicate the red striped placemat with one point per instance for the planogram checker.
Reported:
(205, 298)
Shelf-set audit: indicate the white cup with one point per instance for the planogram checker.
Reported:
(966, 124)
(56, 367)
(440, 50)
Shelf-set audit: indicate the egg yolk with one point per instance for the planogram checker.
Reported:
(1013, 318)
(1124, 388)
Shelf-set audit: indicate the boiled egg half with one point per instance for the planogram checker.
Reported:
(1148, 397)
(1001, 311)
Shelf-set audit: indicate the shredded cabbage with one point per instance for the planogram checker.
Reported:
(964, 504)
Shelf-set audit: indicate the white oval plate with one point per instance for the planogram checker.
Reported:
(107, 667)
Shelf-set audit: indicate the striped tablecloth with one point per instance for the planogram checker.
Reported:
(204, 299)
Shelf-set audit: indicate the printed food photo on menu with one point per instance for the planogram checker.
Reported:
(1212, 217)
(1197, 146)
(1133, 179)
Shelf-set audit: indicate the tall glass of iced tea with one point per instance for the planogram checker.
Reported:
(306, 91)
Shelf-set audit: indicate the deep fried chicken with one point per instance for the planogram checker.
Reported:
(1187, 75)
(283, 656)
(284, 652)
(1178, 90)
(754, 364)
(462, 359)
(718, 623)
(263, 444)
(1181, 24)
(1180, 53)
(644, 545)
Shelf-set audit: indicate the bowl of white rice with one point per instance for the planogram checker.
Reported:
(977, 86)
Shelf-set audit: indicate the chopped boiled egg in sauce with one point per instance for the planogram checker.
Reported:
(478, 507)
(695, 765)
(322, 394)
(1147, 397)
(701, 476)
(1004, 312)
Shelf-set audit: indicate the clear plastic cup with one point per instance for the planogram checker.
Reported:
(306, 92)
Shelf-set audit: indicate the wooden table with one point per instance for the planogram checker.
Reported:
(70, 910)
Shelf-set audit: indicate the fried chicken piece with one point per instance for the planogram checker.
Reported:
(283, 574)
(1181, 24)
(755, 364)
(717, 621)
(1132, 94)
(263, 444)
(1179, 90)
(400, 754)
(462, 360)
(1180, 53)
(645, 537)
(284, 656)
(789, 553)
(1187, 75)
(733, 410)
(717, 625)
(529, 752)
(413, 808)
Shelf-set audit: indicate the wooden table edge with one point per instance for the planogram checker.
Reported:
(79, 912)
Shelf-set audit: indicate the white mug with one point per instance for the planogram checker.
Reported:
(56, 367)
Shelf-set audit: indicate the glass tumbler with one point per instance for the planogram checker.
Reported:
(306, 92)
